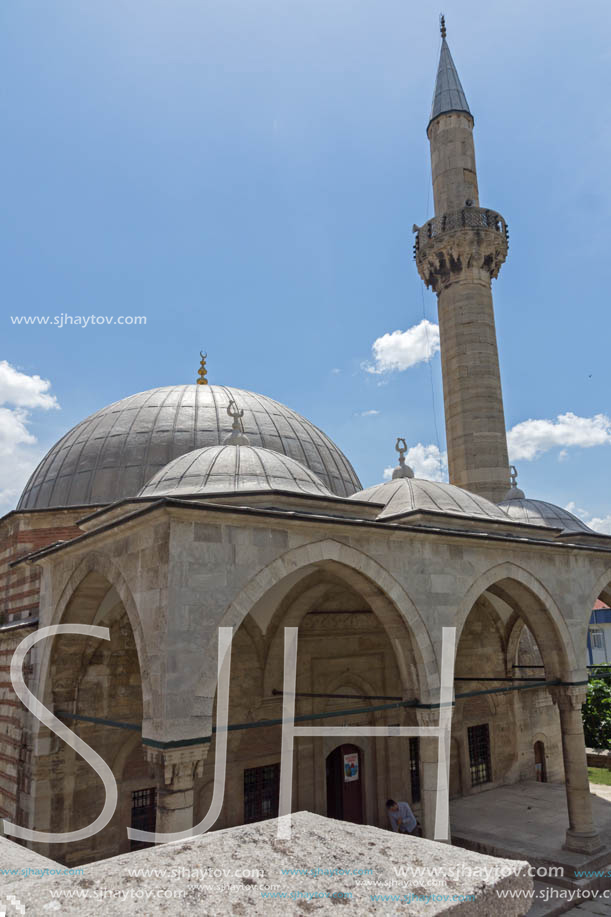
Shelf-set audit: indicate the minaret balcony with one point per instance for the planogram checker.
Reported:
(459, 245)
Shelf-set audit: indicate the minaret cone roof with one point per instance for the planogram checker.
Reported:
(449, 94)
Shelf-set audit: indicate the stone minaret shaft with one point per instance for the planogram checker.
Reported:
(458, 253)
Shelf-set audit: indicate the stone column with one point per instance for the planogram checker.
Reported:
(581, 835)
(176, 770)
(429, 756)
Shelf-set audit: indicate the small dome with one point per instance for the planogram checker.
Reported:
(232, 469)
(538, 512)
(406, 495)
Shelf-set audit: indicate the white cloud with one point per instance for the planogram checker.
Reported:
(600, 524)
(399, 350)
(19, 451)
(24, 391)
(18, 455)
(426, 461)
(336, 371)
(13, 430)
(531, 438)
(371, 413)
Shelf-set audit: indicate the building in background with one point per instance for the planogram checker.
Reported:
(599, 635)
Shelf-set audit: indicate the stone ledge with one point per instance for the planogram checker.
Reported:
(317, 843)
(17, 860)
(598, 757)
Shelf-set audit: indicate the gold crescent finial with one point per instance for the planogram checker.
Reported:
(442, 25)
(202, 372)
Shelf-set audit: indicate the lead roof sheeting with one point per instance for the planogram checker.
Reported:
(449, 94)
(137, 436)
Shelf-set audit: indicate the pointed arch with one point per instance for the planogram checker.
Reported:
(602, 587)
(375, 583)
(103, 566)
(524, 593)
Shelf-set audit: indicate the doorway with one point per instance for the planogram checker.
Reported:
(540, 769)
(345, 784)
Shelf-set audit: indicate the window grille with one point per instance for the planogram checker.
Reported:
(479, 754)
(261, 792)
(144, 813)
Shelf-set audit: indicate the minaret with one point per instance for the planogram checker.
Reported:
(458, 253)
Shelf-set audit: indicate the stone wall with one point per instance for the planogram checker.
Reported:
(21, 533)
(598, 757)
(15, 745)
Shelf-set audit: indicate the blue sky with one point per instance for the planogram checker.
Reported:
(246, 173)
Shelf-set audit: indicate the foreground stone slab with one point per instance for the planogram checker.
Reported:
(247, 870)
(17, 864)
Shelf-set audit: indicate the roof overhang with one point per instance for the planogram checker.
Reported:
(138, 512)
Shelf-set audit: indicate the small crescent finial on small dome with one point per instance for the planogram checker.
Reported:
(514, 492)
(442, 25)
(202, 372)
(403, 471)
(237, 437)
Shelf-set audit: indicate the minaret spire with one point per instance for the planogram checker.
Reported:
(449, 94)
(458, 253)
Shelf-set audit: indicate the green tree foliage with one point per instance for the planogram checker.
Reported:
(597, 710)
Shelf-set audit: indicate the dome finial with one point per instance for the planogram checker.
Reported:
(403, 471)
(237, 437)
(202, 372)
(514, 492)
(442, 25)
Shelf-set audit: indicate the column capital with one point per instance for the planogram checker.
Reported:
(428, 717)
(569, 697)
(177, 767)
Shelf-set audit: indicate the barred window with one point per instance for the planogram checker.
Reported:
(144, 813)
(479, 754)
(597, 639)
(261, 792)
(414, 767)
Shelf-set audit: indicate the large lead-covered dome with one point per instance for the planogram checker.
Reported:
(113, 453)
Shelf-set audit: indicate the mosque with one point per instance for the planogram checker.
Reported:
(190, 507)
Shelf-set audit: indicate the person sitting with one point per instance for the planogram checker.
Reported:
(401, 817)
